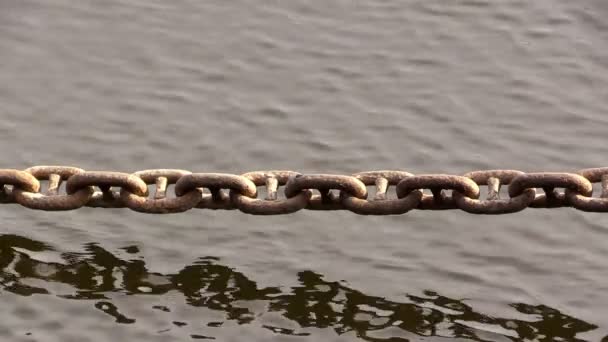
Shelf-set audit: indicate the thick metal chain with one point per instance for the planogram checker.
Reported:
(300, 191)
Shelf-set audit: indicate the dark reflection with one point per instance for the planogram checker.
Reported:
(96, 273)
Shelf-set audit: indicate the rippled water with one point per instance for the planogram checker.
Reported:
(222, 297)
(338, 87)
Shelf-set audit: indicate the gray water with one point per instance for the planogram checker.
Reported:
(334, 87)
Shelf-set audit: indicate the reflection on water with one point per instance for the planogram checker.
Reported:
(96, 273)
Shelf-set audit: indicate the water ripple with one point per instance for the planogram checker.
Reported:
(31, 268)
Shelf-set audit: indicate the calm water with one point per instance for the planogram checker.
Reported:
(337, 87)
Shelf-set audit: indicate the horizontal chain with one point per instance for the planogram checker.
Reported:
(109, 189)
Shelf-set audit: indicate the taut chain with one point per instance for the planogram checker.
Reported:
(301, 191)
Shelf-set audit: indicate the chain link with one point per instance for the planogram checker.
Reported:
(271, 205)
(216, 182)
(327, 200)
(437, 183)
(105, 181)
(52, 200)
(587, 203)
(381, 204)
(161, 204)
(227, 191)
(548, 181)
(493, 204)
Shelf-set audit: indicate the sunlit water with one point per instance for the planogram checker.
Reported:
(336, 87)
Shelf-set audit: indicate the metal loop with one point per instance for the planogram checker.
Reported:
(172, 175)
(39, 201)
(371, 177)
(587, 203)
(481, 177)
(45, 171)
(594, 175)
(215, 182)
(271, 205)
(104, 180)
(549, 181)
(437, 183)
(19, 179)
(52, 201)
(494, 205)
(160, 204)
(324, 183)
(380, 205)
(349, 184)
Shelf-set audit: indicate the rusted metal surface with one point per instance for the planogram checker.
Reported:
(381, 204)
(160, 203)
(327, 200)
(271, 205)
(52, 200)
(395, 192)
(493, 203)
(548, 181)
(586, 203)
(437, 183)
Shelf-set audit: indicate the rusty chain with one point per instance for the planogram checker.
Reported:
(301, 191)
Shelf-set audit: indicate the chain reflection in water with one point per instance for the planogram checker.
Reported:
(314, 303)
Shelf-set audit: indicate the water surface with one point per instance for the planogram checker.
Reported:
(336, 87)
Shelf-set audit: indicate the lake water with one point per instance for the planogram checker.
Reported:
(334, 87)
